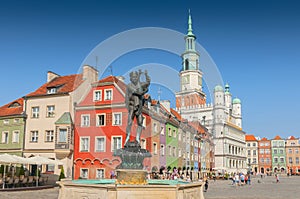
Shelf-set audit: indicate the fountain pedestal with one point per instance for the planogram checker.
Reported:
(130, 171)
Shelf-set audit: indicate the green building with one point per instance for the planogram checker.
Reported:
(278, 155)
(12, 125)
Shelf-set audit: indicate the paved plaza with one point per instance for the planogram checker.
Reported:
(267, 188)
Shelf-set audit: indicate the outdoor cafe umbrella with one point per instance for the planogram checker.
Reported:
(7, 159)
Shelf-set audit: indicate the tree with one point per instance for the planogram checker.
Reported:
(62, 174)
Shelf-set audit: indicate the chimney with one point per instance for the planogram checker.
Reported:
(166, 104)
(90, 73)
(51, 75)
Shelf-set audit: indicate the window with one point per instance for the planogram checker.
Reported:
(34, 136)
(290, 160)
(261, 151)
(52, 90)
(116, 143)
(85, 120)
(162, 130)
(35, 112)
(16, 120)
(275, 151)
(169, 132)
(174, 151)
(170, 151)
(268, 160)
(290, 151)
(100, 173)
(144, 121)
(267, 151)
(275, 160)
(50, 168)
(179, 153)
(154, 148)
(143, 144)
(63, 135)
(84, 173)
(101, 119)
(49, 136)
(179, 136)
(108, 94)
(97, 95)
(162, 150)
(249, 161)
(281, 151)
(248, 144)
(297, 160)
(282, 160)
(6, 122)
(267, 144)
(155, 127)
(254, 160)
(174, 133)
(100, 144)
(249, 152)
(261, 144)
(296, 151)
(262, 160)
(16, 137)
(84, 144)
(50, 111)
(254, 152)
(5, 137)
(117, 119)
(253, 144)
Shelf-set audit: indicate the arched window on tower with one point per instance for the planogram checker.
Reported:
(186, 64)
(197, 64)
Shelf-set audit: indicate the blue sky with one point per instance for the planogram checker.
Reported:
(255, 45)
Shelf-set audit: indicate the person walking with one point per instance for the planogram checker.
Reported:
(206, 185)
(277, 178)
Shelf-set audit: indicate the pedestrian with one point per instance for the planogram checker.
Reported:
(248, 179)
(206, 185)
(277, 178)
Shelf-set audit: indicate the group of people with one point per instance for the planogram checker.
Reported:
(241, 179)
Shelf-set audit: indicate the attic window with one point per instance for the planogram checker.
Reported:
(15, 104)
(52, 90)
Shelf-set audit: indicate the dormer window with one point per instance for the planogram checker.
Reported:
(52, 90)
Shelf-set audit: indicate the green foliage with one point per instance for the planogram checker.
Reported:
(22, 171)
(62, 174)
(2, 169)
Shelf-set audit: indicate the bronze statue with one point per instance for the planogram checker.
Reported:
(134, 100)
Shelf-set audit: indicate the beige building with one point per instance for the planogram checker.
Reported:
(49, 128)
(292, 155)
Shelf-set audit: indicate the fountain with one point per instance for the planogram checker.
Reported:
(131, 182)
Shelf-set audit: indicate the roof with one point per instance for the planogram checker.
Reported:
(292, 138)
(113, 79)
(64, 119)
(277, 138)
(12, 108)
(196, 125)
(176, 114)
(64, 84)
(250, 138)
(264, 139)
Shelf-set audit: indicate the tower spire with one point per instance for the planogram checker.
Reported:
(190, 29)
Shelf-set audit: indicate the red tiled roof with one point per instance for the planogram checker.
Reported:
(176, 114)
(277, 138)
(196, 125)
(292, 138)
(250, 138)
(12, 108)
(264, 139)
(114, 79)
(65, 84)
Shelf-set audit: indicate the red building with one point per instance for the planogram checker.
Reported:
(264, 156)
(100, 128)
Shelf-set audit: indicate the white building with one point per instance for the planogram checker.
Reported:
(223, 117)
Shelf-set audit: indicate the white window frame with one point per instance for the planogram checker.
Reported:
(80, 144)
(108, 97)
(6, 121)
(162, 130)
(85, 123)
(34, 136)
(114, 119)
(174, 133)
(97, 172)
(98, 121)
(155, 127)
(162, 150)
(50, 111)
(143, 143)
(14, 139)
(66, 135)
(97, 97)
(155, 148)
(16, 120)
(144, 121)
(49, 134)
(35, 112)
(87, 173)
(170, 150)
(169, 132)
(104, 143)
(112, 143)
(5, 138)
